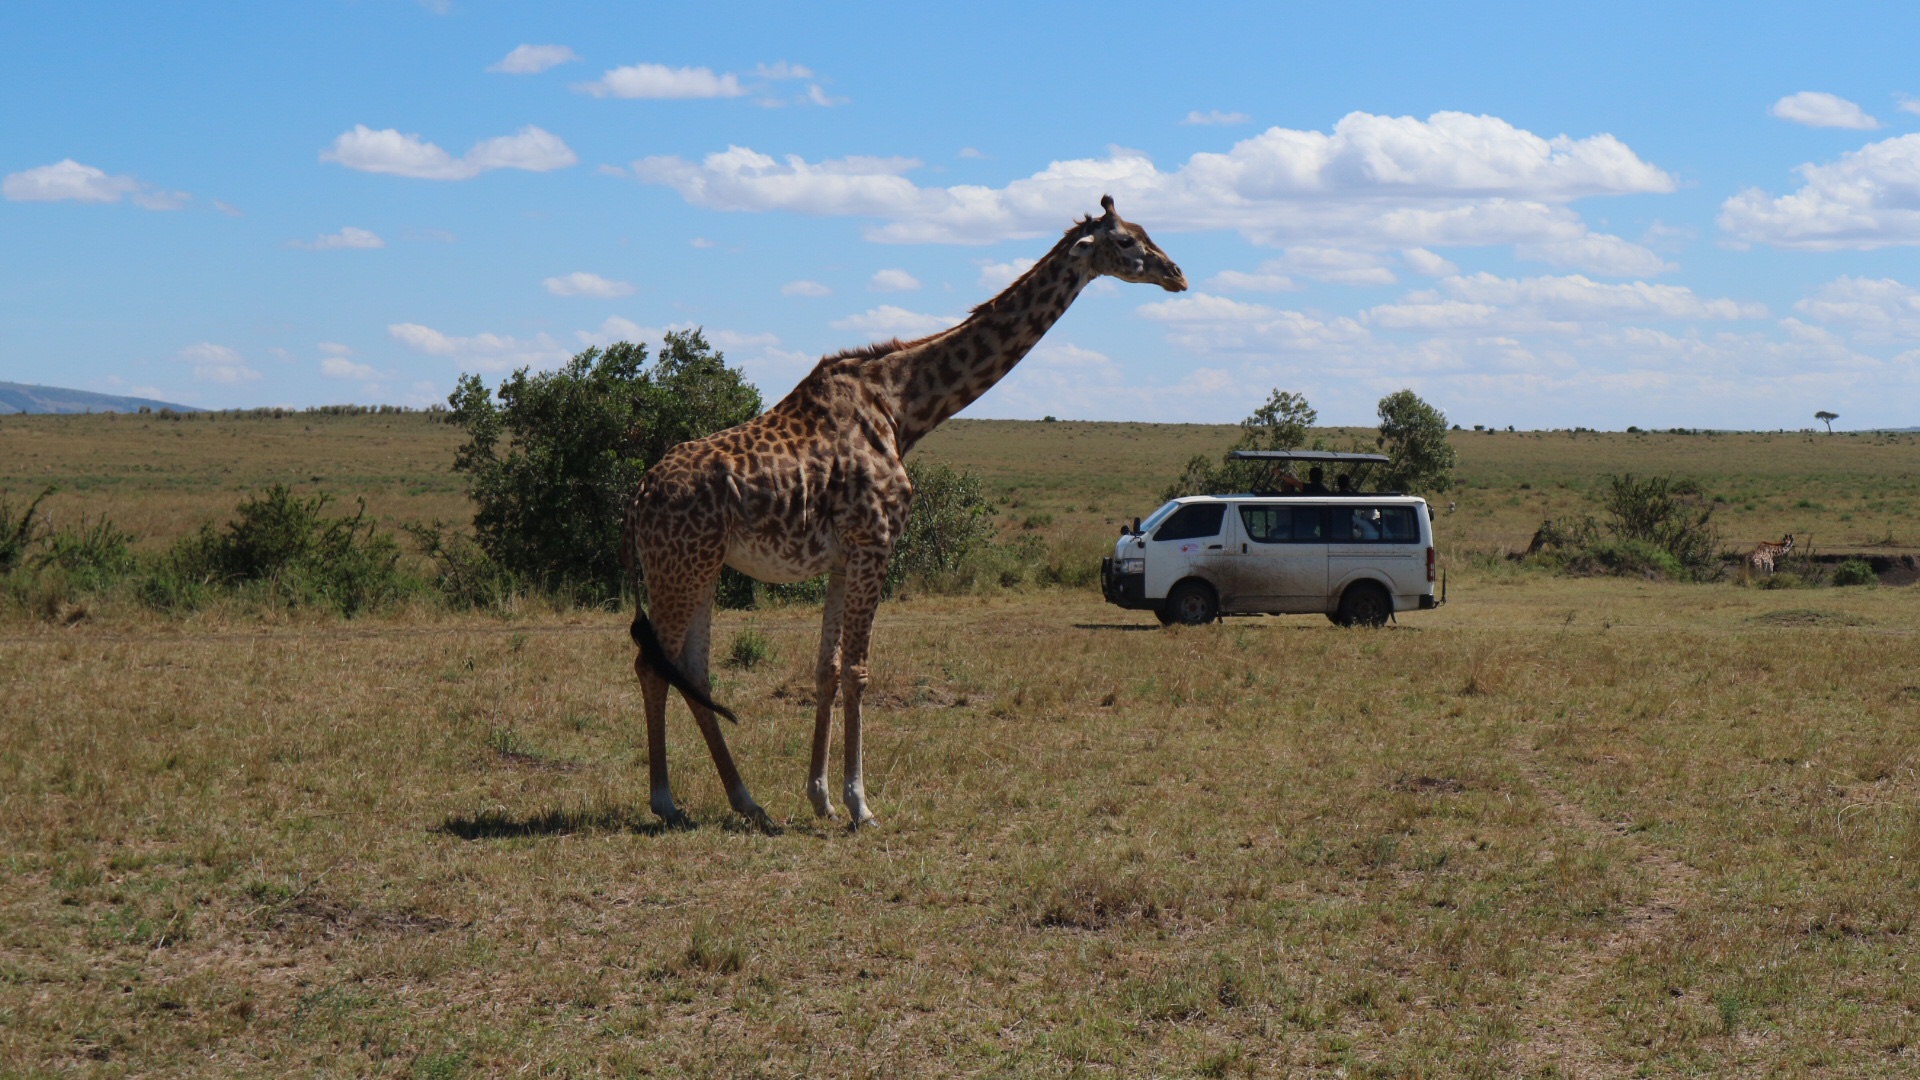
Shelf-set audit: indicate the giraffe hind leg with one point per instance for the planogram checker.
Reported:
(694, 654)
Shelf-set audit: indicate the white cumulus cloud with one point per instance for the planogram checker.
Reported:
(1215, 116)
(1870, 198)
(805, 288)
(581, 283)
(390, 152)
(658, 82)
(348, 238)
(1427, 264)
(1375, 181)
(1816, 109)
(70, 181)
(1338, 266)
(888, 321)
(335, 367)
(534, 59)
(486, 351)
(999, 275)
(218, 364)
(1876, 309)
(893, 280)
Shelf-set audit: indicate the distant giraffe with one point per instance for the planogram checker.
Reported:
(1762, 557)
(816, 485)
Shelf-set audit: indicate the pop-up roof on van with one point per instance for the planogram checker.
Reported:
(1280, 479)
(1309, 455)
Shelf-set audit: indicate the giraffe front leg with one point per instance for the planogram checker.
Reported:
(826, 682)
(866, 574)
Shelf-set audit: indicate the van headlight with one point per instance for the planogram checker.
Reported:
(1133, 566)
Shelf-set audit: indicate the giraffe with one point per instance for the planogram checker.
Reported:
(817, 484)
(1762, 557)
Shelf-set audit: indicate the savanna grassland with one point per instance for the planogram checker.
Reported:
(1560, 827)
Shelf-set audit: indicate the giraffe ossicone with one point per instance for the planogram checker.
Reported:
(817, 484)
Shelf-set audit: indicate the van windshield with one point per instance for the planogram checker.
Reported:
(1159, 515)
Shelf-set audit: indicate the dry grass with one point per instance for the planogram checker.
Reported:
(1569, 826)
(1559, 827)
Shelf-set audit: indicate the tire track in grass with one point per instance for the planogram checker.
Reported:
(1556, 1035)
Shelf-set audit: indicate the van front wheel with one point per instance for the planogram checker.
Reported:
(1364, 604)
(1191, 603)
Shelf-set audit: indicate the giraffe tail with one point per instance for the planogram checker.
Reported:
(654, 655)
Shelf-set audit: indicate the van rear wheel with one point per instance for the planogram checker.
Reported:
(1364, 604)
(1191, 603)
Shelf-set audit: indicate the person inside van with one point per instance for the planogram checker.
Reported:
(1343, 484)
(1366, 524)
(1316, 481)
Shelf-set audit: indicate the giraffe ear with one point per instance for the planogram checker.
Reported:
(1081, 248)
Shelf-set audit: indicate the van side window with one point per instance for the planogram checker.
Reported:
(1192, 522)
(1376, 524)
(1282, 524)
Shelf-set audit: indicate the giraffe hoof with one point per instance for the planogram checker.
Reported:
(759, 819)
(675, 819)
(866, 822)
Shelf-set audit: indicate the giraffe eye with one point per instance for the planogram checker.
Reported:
(1124, 241)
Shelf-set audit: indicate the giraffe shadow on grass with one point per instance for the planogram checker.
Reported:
(499, 825)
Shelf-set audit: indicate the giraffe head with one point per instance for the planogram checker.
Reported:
(1122, 249)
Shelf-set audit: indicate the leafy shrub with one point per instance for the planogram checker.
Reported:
(284, 543)
(468, 576)
(750, 647)
(17, 534)
(550, 459)
(1668, 515)
(1854, 572)
(92, 554)
(950, 524)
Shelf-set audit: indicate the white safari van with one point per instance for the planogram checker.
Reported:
(1356, 557)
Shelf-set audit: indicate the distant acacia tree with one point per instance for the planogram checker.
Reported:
(1827, 418)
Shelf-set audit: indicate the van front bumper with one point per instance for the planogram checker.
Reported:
(1125, 590)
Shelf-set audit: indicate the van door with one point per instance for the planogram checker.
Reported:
(1189, 544)
(1283, 558)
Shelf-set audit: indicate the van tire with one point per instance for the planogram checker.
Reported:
(1364, 603)
(1191, 603)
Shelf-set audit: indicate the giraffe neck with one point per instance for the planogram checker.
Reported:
(949, 371)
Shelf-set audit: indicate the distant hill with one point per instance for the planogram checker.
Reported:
(23, 398)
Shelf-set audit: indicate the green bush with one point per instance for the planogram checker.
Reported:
(950, 524)
(1854, 572)
(551, 459)
(468, 577)
(1672, 516)
(93, 555)
(750, 647)
(283, 545)
(18, 534)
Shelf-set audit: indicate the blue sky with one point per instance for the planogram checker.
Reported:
(1538, 215)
